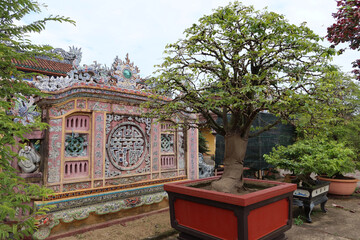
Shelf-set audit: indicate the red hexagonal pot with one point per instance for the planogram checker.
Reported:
(204, 214)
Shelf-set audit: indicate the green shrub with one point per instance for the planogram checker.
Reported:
(319, 156)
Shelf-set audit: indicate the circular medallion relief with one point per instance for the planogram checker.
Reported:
(127, 73)
(127, 146)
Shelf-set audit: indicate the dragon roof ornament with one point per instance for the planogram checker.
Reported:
(122, 74)
(73, 56)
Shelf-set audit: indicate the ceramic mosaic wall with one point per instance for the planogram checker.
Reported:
(193, 169)
(83, 210)
(57, 111)
(99, 153)
(81, 104)
(96, 143)
(76, 186)
(98, 106)
(127, 145)
(126, 109)
(77, 157)
(55, 145)
(181, 151)
(168, 150)
(104, 157)
(155, 147)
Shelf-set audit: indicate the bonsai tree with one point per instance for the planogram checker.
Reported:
(233, 64)
(318, 155)
(14, 191)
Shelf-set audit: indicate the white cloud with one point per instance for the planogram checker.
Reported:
(142, 28)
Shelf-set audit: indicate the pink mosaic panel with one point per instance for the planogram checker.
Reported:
(76, 186)
(168, 161)
(155, 145)
(55, 188)
(98, 183)
(193, 153)
(77, 123)
(169, 174)
(126, 109)
(54, 159)
(81, 104)
(57, 111)
(99, 144)
(99, 106)
(181, 149)
(74, 169)
(127, 180)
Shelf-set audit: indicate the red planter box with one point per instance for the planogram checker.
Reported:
(204, 214)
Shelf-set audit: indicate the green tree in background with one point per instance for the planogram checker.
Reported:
(328, 144)
(346, 28)
(345, 127)
(236, 63)
(203, 147)
(15, 45)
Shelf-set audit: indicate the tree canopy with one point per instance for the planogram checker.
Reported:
(346, 29)
(236, 63)
(14, 45)
(240, 61)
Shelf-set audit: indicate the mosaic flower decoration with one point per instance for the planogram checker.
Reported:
(25, 110)
(75, 144)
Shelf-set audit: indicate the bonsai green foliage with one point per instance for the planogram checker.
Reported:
(203, 148)
(15, 193)
(238, 62)
(317, 155)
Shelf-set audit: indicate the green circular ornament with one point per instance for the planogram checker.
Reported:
(127, 73)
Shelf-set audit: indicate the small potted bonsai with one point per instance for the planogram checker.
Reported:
(307, 158)
(323, 157)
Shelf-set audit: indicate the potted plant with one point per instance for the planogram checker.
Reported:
(321, 156)
(197, 212)
(341, 161)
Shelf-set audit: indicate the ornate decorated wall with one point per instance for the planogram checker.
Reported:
(99, 154)
(95, 142)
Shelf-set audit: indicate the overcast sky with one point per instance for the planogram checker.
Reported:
(108, 28)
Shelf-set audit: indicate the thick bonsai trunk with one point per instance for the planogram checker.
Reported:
(232, 179)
